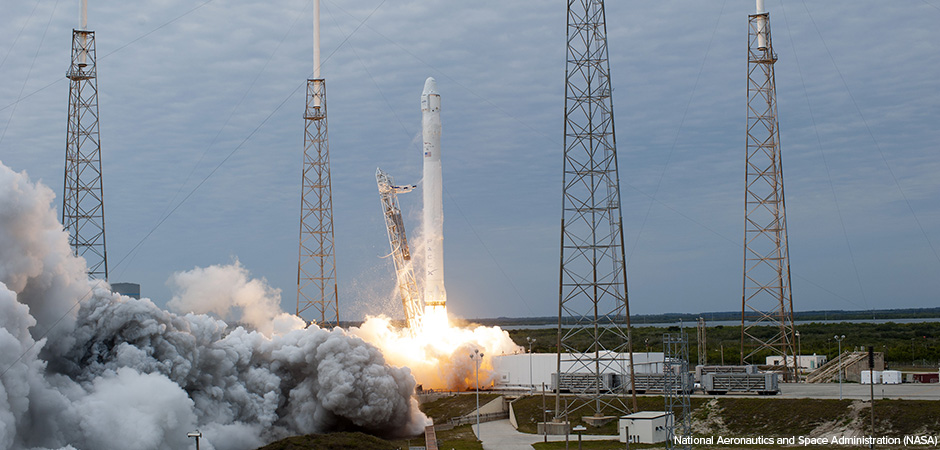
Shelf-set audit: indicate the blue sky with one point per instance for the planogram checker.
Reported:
(857, 89)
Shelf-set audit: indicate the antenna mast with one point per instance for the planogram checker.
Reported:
(316, 263)
(766, 298)
(82, 197)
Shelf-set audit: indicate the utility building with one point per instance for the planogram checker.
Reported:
(526, 370)
(644, 427)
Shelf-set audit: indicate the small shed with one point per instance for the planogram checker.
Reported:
(645, 427)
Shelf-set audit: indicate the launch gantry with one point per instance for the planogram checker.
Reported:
(411, 298)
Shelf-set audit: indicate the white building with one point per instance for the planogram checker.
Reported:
(644, 427)
(533, 369)
(807, 362)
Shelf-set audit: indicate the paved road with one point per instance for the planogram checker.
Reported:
(854, 391)
(500, 435)
(850, 391)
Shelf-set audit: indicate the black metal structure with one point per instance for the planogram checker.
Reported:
(316, 263)
(83, 195)
(593, 309)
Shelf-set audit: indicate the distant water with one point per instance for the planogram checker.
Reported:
(732, 323)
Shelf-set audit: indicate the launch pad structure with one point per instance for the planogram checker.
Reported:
(767, 301)
(593, 274)
(83, 195)
(316, 262)
(411, 297)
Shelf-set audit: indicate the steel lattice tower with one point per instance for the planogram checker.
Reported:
(767, 304)
(677, 386)
(82, 197)
(593, 276)
(316, 264)
(702, 341)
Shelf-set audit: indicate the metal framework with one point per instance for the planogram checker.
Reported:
(677, 387)
(592, 300)
(316, 264)
(404, 271)
(767, 303)
(83, 196)
(701, 341)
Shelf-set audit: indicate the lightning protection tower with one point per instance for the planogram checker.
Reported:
(594, 339)
(316, 263)
(82, 197)
(767, 304)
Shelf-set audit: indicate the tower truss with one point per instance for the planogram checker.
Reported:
(677, 386)
(316, 264)
(594, 338)
(767, 303)
(702, 341)
(83, 196)
(411, 299)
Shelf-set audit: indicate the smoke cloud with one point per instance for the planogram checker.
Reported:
(84, 368)
(228, 292)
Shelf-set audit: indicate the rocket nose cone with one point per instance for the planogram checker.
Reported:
(430, 87)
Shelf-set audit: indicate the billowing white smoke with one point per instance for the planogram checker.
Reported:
(228, 292)
(116, 372)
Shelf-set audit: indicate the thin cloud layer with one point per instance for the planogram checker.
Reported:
(181, 99)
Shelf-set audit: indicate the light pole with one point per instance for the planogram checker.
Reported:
(195, 435)
(477, 358)
(544, 416)
(799, 357)
(839, 340)
(530, 341)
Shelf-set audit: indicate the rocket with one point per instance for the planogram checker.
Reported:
(435, 298)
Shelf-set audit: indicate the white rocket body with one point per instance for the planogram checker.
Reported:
(435, 298)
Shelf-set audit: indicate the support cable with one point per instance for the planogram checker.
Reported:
(29, 71)
(20, 33)
(675, 140)
(111, 52)
(227, 120)
(822, 152)
(872, 135)
(450, 197)
(190, 194)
